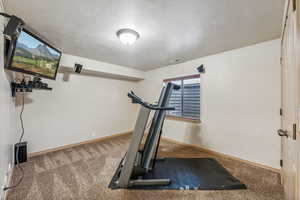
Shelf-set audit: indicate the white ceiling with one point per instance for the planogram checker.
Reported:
(169, 29)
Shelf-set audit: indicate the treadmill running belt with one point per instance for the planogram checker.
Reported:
(191, 174)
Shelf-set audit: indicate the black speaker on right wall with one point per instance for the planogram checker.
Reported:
(201, 69)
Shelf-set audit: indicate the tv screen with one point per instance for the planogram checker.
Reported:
(34, 56)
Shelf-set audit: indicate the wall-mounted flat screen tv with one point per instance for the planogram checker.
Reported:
(32, 55)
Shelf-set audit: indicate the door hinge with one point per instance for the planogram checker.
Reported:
(280, 112)
(294, 131)
(281, 60)
(281, 163)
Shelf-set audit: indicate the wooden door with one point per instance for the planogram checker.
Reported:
(290, 101)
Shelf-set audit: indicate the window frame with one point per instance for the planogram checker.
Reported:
(180, 118)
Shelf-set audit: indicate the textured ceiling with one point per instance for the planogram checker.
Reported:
(169, 29)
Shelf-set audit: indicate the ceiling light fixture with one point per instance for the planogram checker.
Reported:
(127, 36)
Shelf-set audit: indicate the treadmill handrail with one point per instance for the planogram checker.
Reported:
(136, 99)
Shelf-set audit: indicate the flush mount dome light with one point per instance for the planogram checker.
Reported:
(127, 36)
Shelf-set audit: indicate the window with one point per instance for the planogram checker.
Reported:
(186, 100)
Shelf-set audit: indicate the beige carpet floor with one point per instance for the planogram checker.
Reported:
(84, 172)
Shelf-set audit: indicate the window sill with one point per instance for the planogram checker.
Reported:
(168, 117)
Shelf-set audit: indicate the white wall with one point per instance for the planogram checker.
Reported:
(240, 102)
(8, 121)
(82, 108)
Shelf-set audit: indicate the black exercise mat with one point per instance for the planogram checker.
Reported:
(190, 174)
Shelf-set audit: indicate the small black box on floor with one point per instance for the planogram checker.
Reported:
(20, 152)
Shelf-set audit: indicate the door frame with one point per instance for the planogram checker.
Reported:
(287, 12)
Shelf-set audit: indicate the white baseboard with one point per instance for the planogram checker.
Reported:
(37, 153)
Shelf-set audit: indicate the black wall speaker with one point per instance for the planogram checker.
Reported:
(13, 27)
(201, 69)
(78, 68)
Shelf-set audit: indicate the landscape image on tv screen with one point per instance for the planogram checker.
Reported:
(35, 56)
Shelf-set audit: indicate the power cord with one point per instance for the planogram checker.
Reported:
(17, 151)
(21, 118)
(5, 15)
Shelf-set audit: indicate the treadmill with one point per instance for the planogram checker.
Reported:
(139, 161)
